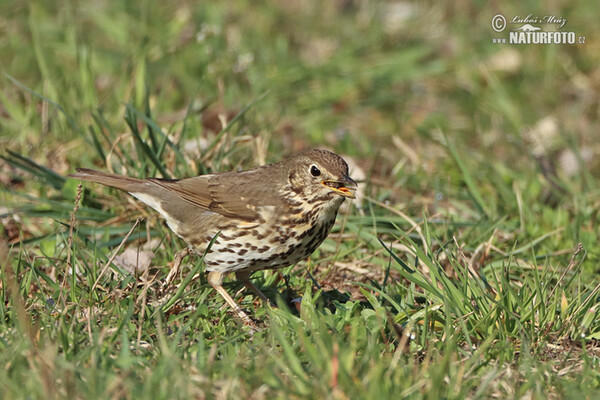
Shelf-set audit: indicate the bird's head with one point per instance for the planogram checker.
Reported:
(320, 175)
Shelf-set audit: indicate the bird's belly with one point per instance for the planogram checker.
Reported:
(265, 247)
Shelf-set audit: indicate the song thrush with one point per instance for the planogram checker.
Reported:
(267, 217)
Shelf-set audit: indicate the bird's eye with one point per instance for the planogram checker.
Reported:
(315, 171)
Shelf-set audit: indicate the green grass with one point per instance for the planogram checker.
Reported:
(467, 269)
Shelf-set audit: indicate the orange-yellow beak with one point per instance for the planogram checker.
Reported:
(343, 187)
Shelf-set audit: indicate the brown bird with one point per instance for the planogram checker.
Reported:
(267, 217)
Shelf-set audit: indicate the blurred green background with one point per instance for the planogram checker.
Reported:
(495, 145)
(390, 83)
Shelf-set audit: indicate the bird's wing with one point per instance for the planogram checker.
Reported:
(218, 193)
(193, 190)
(238, 194)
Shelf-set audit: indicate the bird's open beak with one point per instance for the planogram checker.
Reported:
(344, 186)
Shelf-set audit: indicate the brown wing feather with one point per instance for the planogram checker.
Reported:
(232, 194)
(193, 190)
(238, 194)
(219, 193)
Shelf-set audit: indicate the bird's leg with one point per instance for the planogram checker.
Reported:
(244, 276)
(179, 256)
(215, 278)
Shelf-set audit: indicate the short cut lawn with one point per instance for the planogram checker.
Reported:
(466, 268)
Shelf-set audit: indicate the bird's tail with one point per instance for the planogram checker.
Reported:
(113, 180)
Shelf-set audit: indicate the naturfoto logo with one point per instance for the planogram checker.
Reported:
(527, 31)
